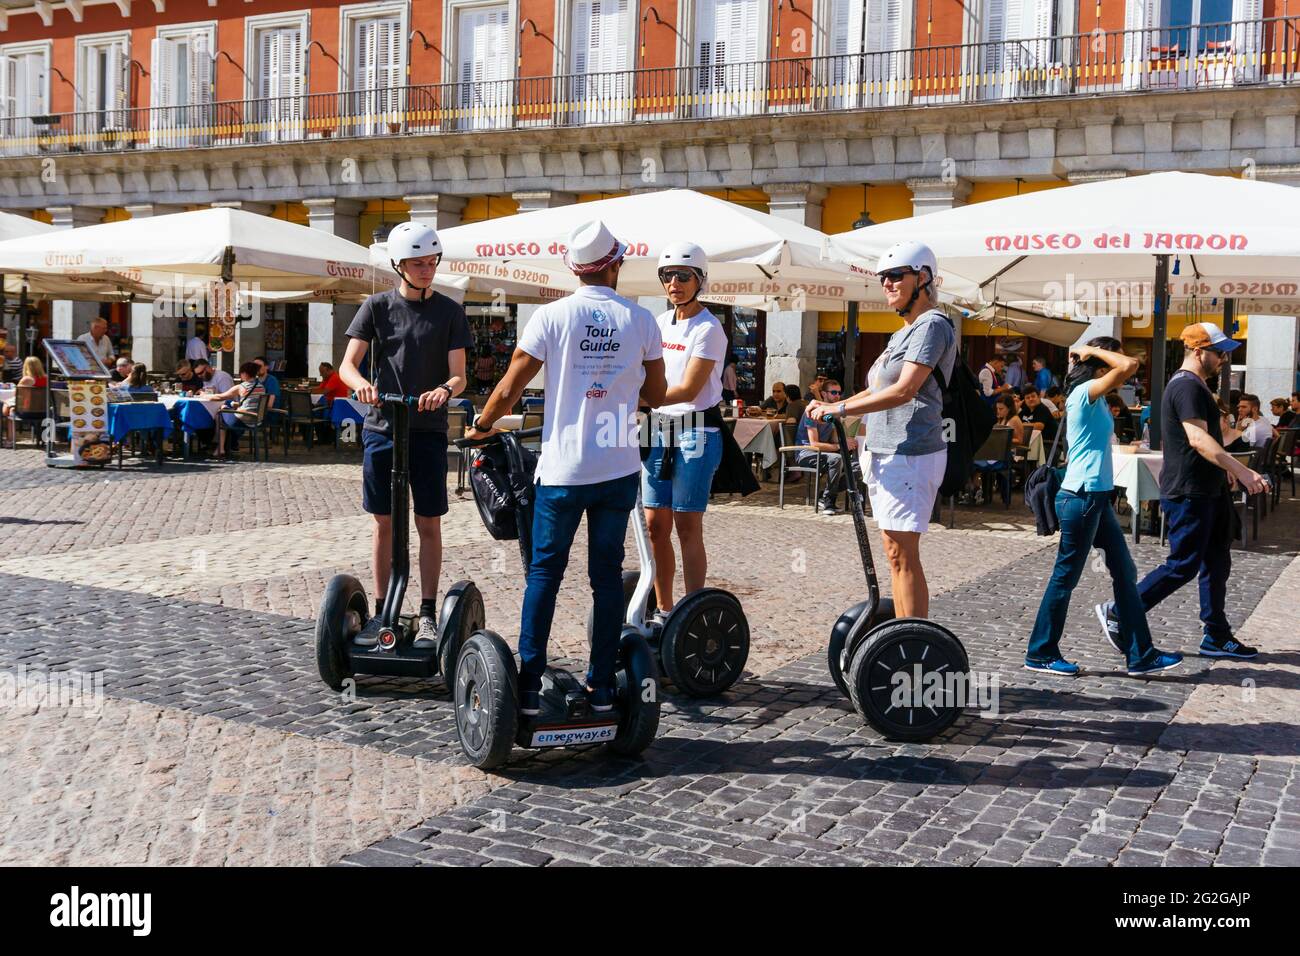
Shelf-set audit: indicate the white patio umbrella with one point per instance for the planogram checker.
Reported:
(1092, 249)
(139, 255)
(1107, 248)
(753, 257)
(15, 227)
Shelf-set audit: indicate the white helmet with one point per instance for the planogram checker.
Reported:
(685, 254)
(909, 255)
(412, 240)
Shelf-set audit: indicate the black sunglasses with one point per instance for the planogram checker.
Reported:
(832, 391)
(681, 275)
(896, 275)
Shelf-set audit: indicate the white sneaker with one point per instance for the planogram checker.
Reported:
(426, 638)
(658, 619)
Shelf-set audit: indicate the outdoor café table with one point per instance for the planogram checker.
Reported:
(510, 422)
(757, 436)
(7, 393)
(195, 414)
(1138, 473)
(149, 417)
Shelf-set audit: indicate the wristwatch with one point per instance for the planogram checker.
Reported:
(450, 391)
(477, 426)
(843, 406)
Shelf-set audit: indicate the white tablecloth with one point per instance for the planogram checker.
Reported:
(7, 394)
(1137, 474)
(758, 436)
(510, 422)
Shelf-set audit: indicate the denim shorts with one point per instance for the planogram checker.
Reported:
(428, 473)
(696, 458)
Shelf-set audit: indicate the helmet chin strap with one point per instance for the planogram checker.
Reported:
(916, 294)
(423, 290)
(694, 296)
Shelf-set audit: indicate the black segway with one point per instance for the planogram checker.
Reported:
(892, 669)
(345, 610)
(486, 687)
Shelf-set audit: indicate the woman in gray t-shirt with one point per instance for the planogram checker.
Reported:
(906, 450)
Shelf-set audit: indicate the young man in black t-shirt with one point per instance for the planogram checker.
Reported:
(1034, 413)
(419, 338)
(1195, 479)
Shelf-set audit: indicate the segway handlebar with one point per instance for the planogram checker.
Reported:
(521, 434)
(411, 400)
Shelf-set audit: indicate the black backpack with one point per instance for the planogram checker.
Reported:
(967, 421)
(503, 487)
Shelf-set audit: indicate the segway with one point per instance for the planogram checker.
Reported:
(702, 645)
(486, 687)
(345, 610)
(892, 669)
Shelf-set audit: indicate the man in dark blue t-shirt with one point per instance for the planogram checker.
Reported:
(1195, 478)
(820, 437)
(419, 337)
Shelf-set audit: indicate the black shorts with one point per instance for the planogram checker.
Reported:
(428, 473)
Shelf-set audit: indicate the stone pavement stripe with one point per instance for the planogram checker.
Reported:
(1255, 699)
(134, 783)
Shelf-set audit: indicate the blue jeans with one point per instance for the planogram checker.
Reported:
(695, 459)
(1200, 544)
(556, 513)
(1087, 520)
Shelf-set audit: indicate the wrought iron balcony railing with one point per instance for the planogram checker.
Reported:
(1203, 57)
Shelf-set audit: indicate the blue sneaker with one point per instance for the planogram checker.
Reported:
(601, 699)
(1061, 667)
(1161, 662)
(1109, 619)
(1230, 648)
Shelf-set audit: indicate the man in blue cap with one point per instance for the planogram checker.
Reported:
(1196, 480)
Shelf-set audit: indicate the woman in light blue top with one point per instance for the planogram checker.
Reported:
(1083, 508)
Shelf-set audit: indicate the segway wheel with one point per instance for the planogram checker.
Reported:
(486, 695)
(629, 586)
(705, 643)
(461, 615)
(638, 696)
(901, 679)
(837, 652)
(343, 613)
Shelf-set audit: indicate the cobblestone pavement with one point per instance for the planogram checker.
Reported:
(191, 592)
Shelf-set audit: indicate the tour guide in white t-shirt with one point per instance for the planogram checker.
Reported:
(602, 359)
(695, 344)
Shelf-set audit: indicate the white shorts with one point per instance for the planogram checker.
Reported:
(902, 488)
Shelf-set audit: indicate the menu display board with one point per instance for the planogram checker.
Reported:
(75, 359)
(88, 410)
(222, 306)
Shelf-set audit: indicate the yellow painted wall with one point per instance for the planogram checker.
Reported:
(480, 208)
(291, 212)
(752, 198)
(984, 191)
(841, 209)
(41, 215)
(887, 322)
(592, 197)
(116, 214)
(376, 211)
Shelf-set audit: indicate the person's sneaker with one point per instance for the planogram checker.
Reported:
(827, 507)
(530, 696)
(1232, 648)
(426, 638)
(1061, 667)
(1161, 662)
(658, 619)
(601, 699)
(1109, 619)
(368, 636)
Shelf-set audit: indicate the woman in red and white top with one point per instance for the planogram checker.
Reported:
(676, 493)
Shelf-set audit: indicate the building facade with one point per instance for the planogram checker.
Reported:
(346, 116)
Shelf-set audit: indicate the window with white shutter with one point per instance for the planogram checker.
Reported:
(1144, 41)
(1246, 47)
(377, 74)
(844, 66)
(103, 85)
(181, 80)
(886, 66)
(280, 76)
(730, 43)
(484, 67)
(24, 93)
(1021, 53)
(601, 41)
